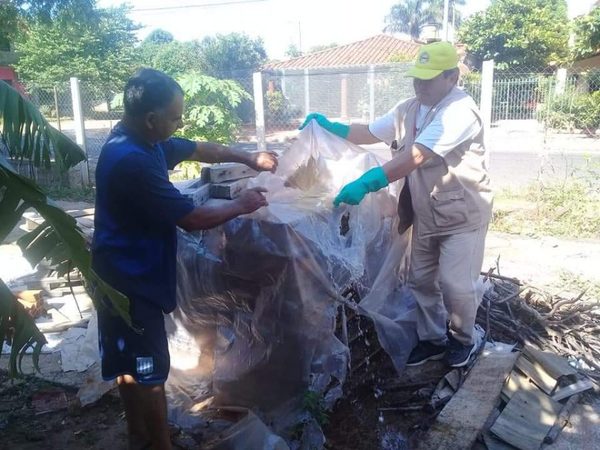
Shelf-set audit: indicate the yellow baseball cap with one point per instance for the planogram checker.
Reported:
(433, 59)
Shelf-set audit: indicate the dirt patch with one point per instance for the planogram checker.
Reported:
(38, 414)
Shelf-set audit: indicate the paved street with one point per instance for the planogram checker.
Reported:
(519, 154)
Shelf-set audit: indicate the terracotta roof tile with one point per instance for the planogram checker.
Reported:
(375, 50)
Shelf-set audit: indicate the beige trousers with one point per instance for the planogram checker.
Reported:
(443, 277)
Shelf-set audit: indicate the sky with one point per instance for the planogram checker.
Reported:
(305, 23)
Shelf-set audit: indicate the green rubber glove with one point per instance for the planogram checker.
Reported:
(336, 128)
(371, 181)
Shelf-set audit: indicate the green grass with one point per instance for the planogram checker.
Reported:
(79, 194)
(570, 209)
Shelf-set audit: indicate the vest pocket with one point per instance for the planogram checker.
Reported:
(449, 208)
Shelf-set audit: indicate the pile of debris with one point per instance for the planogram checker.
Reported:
(503, 399)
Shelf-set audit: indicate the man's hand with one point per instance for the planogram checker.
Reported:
(251, 199)
(263, 161)
(340, 129)
(354, 192)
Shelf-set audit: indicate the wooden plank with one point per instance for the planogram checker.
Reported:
(228, 190)
(555, 365)
(537, 374)
(562, 419)
(580, 386)
(75, 213)
(493, 443)
(219, 173)
(517, 382)
(526, 420)
(463, 418)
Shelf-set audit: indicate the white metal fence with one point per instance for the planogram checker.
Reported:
(529, 111)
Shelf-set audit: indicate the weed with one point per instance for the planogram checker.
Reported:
(79, 194)
(565, 209)
(314, 405)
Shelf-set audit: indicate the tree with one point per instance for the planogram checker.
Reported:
(26, 135)
(15, 14)
(97, 48)
(454, 16)
(320, 48)
(293, 51)
(158, 36)
(210, 107)
(587, 34)
(174, 58)
(232, 56)
(523, 34)
(409, 16)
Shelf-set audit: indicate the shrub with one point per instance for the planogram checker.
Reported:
(579, 111)
(280, 110)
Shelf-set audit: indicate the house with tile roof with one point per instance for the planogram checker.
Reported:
(347, 81)
(376, 50)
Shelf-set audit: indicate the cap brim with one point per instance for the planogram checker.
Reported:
(423, 74)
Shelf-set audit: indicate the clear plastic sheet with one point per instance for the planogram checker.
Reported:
(259, 297)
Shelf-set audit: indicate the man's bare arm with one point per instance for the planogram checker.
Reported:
(406, 161)
(360, 135)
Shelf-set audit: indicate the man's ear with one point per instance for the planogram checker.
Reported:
(150, 120)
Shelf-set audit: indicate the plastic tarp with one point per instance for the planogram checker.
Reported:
(259, 298)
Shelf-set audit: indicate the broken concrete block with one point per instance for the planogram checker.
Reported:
(228, 190)
(199, 195)
(219, 173)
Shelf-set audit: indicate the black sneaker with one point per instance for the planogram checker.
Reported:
(459, 354)
(425, 351)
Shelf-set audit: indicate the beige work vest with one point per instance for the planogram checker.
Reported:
(445, 195)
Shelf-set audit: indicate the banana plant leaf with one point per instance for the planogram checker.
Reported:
(28, 136)
(57, 239)
(18, 330)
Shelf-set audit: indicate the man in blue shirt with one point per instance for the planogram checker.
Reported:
(134, 247)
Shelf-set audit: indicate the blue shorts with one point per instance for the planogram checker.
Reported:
(143, 355)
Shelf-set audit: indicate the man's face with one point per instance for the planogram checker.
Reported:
(430, 92)
(164, 122)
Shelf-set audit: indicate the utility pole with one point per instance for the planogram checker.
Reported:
(445, 23)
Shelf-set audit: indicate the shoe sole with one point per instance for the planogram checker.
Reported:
(423, 361)
(467, 359)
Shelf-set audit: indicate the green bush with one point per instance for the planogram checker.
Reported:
(579, 111)
(210, 107)
(280, 110)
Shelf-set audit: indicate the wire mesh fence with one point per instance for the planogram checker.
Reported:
(552, 111)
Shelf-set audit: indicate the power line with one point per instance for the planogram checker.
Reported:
(198, 5)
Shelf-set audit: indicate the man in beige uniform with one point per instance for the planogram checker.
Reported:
(437, 141)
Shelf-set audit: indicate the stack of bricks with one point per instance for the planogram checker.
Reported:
(224, 181)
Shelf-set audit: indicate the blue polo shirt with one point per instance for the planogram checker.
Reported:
(137, 208)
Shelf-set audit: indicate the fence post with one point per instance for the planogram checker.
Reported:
(259, 111)
(56, 108)
(487, 87)
(79, 124)
(344, 95)
(306, 93)
(561, 81)
(371, 93)
(283, 82)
